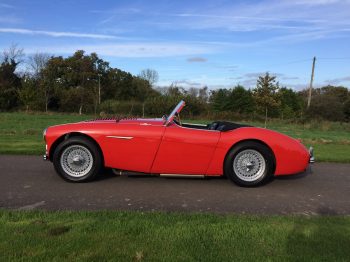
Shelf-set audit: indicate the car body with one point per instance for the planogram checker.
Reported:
(166, 146)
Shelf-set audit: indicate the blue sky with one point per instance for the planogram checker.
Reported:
(192, 43)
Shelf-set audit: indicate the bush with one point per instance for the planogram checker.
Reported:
(115, 107)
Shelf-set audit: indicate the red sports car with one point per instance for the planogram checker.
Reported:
(245, 154)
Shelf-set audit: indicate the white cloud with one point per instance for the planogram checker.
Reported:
(339, 80)
(197, 59)
(317, 2)
(55, 33)
(279, 19)
(131, 50)
(9, 19)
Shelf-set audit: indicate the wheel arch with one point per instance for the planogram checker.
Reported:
(73, 134)
(252, 140)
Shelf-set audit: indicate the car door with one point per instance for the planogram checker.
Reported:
(133, 146)
(185, 150)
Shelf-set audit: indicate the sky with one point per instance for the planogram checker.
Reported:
(218, 43)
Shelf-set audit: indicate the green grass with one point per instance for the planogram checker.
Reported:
(21, 133)
(135, 236)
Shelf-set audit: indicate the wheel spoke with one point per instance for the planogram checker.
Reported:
(76, 160)
(249, 165)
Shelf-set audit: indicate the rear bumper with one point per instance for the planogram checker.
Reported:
(311, 153)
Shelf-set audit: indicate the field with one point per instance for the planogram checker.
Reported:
(138, 236)
(133, 236)
(21, 133)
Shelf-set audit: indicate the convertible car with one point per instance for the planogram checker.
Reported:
(247, 155)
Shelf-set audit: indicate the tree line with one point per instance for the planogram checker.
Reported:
(85, 83)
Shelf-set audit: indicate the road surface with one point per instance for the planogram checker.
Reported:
(27, 183)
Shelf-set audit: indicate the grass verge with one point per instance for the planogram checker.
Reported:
(134, 236)
(21, 133)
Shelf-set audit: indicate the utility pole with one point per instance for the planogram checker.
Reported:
(311, 82)
(99, 89)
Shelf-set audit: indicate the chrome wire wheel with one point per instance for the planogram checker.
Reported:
(76, 161)
(249, 165)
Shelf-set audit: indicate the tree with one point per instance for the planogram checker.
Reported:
(291, 102)
(28, 95)
(240, 100)
(339, 92)
(346, 109)
(193, 92)
(10, 82)
(13, 55)
(330, 103)
(219, 99)
(203, 94)
(326, 107)
(150, 75)
(265, 94)
(53, 76)
(37, 63)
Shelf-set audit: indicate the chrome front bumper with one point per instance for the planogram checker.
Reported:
(311, 153)
(45, 157)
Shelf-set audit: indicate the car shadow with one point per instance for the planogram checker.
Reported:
(109, 174)
(300, 175)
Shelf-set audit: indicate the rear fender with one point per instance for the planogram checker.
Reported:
(290, 155)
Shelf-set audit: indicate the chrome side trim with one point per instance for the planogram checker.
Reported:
(121, 137)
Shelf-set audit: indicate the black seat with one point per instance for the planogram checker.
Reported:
(225, 126)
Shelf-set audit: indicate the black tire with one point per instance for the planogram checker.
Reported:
(249, 178)
(90, 150)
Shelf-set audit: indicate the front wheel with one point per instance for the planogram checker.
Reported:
(77, 159)
(249, 164)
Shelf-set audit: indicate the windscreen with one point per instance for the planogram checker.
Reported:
(177, 109)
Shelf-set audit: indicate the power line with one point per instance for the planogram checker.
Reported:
(334, 58)
(291, 62)
(308, 60)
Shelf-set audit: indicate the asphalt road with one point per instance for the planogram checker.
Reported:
(27, 182)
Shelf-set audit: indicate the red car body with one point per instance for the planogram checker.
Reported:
(163, 146)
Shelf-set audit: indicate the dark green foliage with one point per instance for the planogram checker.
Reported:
(291, 103)
(266, 95)
(68, 84)
(238, 100)
(30, 96)
(241, 100)
(330, 103)
(121, 108)
(346, 109)
(10, 83)
(72, 84)
(219, 99)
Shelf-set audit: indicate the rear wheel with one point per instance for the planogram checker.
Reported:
(77, 159)
(249, 164)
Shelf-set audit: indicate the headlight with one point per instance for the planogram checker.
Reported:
(44, 133)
